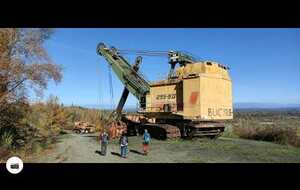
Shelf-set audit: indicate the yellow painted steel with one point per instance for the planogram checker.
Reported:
(207, 67)
(203, 91)
(160, 95)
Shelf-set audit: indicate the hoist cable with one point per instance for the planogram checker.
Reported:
(156, 53)
(143, 52)
(110, 87)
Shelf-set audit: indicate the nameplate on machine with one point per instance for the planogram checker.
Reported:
(219, 112)
(165, 96)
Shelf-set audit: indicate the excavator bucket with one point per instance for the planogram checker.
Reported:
(116, 129)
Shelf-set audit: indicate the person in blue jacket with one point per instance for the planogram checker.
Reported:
(146, 142)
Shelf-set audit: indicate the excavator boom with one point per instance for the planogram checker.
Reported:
(132, 80)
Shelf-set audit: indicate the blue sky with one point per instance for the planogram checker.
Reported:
(264, 63)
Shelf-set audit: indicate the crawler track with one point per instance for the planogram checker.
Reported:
(168, 130)
(163, 131)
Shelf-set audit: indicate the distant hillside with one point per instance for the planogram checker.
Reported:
(108, 107)
(264, 106)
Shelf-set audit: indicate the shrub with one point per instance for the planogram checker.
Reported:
(7, 139)
(272, 133)
(4, 153)
(37, 147)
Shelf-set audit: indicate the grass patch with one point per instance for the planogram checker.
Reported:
(229, 132)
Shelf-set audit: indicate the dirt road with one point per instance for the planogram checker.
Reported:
(76, 148)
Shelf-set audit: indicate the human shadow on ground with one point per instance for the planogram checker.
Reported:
(136, 152)
(90, 136)
(99, 152)
(116, 154)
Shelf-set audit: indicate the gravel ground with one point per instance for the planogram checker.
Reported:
(76, 148)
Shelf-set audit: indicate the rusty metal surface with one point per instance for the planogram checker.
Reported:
(115, 129)
(170, 131)
(83, 125)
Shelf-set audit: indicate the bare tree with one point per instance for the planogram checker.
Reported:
(24, 63)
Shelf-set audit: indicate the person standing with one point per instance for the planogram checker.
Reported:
(123, 145)
(146, 142)
(104, 138)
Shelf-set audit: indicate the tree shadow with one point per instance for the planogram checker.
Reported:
(136, 152)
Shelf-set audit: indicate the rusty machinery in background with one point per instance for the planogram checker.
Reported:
(84, 127)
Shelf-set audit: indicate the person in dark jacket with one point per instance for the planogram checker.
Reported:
(104, 138)
(146, 142)
(123, 145)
